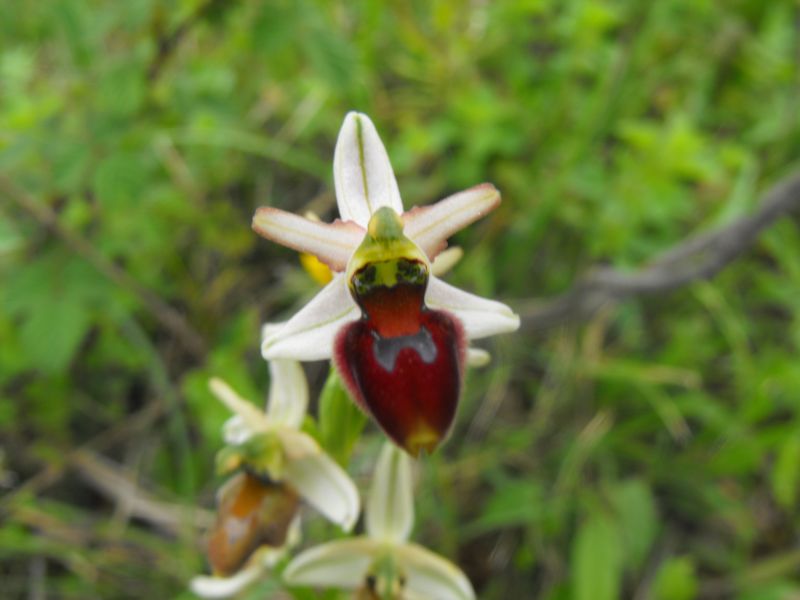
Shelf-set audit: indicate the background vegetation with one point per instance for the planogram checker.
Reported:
(651, 452)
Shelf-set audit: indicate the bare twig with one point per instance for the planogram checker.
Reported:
(50, 474)
(699, 257)
(115, 483)
(766, 569)
(37, 574)
(165, 314)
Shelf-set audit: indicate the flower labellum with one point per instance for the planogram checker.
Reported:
(251, 514)
(402, 361)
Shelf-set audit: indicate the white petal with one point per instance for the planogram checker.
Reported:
(478, 357)
(332, 243)
(296, 444)
(309, 334)
(224, 587)
(481, 317)
(430, 226)
(288, 393)
(428, 575)
(269, 329)
(325, 486)
(235, 431)
(295, 533)
(267, 556)
(390, 512)
(252, 417)
(446, 260)
(341, 564)
(362, 173)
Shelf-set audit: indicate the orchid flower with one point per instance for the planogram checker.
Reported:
(383, 564)
(397, 333)
(278, 465)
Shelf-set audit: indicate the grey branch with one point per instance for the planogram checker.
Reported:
(116, 483)
(700, 256)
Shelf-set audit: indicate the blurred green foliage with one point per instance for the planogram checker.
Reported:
(651, 453)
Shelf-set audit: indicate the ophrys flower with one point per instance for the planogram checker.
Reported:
(383, 563)
(276, 466)
(402, 332)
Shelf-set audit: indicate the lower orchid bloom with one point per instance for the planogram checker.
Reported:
(397, 333)
(277, 466)
(383, 564)
(257, 523)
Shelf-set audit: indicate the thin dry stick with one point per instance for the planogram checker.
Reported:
(699, 257)
(50, 474)
(113, 481)
(165, 314)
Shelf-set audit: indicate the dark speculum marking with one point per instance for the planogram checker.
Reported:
(385, 350)
(411, 271)
(364, 279)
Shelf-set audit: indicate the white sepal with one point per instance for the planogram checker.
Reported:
(270, 329)
(325, 486)
(446, 260)
(428, 575)
(341, 564)
(481, 317)
(288, 393)
(390, 512)
(362, 173)
(478, 357)
(250, 416)
(224, 587)
(309, 334)
(235, 431)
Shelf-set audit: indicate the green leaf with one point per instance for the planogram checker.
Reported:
(782, 589)
(786, 472)
(274, 26)
(56, 297)
(332, 57)
(50, 336)
(638, 518)
(118, 179)
(121, 91)
(10, 238)
(340, 420)
(513, 503)
(676, 580)
(597, 560)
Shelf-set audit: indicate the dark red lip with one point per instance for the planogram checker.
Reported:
(404, 364)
